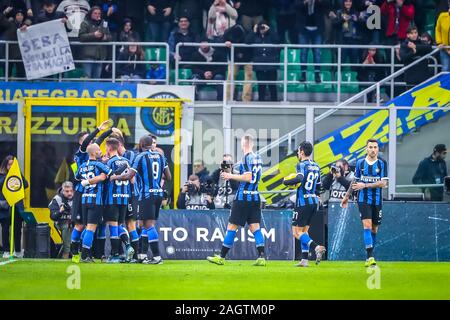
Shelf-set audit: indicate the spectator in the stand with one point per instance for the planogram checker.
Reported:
(286, 20)
(427, 38)
(5, 213)
(399, 15)
(94, 29)
(157, 74)
(9, 27)
(338, 180)
(49, 13)
(160, 19)
(442, 37)
(200, 171)
(132, 70)
(60, 208)
(250, 12)
(75, 11)
(262, 34)
(310, 25)
(369, 35)
(369, 72)
(191, 197)
(221, 16)
(26, 6)
(349, 23)
(127, 34)
(136, 11)
(208, 71)
(182, 34)
(432, 170)
(193, 10)
(412, 49)
(237, 34)
(110, 12)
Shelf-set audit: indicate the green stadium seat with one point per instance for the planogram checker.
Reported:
(155, 54)
(319, 87)
(74, 74)
(184, 74)
(292, 87)
(293, 56)
(349, 76)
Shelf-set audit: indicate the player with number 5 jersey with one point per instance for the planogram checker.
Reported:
(308, 179)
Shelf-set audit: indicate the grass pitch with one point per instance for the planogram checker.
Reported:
(47, 279)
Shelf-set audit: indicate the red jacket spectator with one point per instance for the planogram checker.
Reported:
(406, 17)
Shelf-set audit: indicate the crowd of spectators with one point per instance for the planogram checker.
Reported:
(225, 21)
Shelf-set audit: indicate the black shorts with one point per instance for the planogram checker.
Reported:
(76, 212)
(302, 216)
(92, 213)
(132, 210)
(370, 211)
(243, 212)
(149, 208)
(115, 212)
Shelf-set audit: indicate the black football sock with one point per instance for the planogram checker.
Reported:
(224, 251)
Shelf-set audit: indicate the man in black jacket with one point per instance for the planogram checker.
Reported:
(49, 12)
(182, 34)
(160, 19)
(310, 18)
(432, 170)
(60, 208)
(412, 49)
(193, 9)
(262, 34)
(208, 71)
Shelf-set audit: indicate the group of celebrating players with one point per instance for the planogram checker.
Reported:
(117, 190)
(124, 189)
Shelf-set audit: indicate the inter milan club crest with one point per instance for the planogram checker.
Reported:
(159, 121)
(14, 183)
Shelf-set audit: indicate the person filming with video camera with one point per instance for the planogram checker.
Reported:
(195, 195)
(338, 180)
(226, 189)
(60, 208)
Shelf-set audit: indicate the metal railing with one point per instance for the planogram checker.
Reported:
(376, 86)
(113, 51)
(287, 48)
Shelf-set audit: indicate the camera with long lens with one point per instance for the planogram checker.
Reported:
(191, 188)
(226, 165)
(335, 169)
(208, 188)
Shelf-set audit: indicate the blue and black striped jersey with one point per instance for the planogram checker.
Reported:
(369, 173)
(309, 172)
(79, 158)
(92, 194)
(150, 166)
(118, 192)
(248, 191)
(131, 156)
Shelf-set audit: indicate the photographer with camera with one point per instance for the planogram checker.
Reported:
(195, 195)
(226, 189)
(338, 180)
(60, 208)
